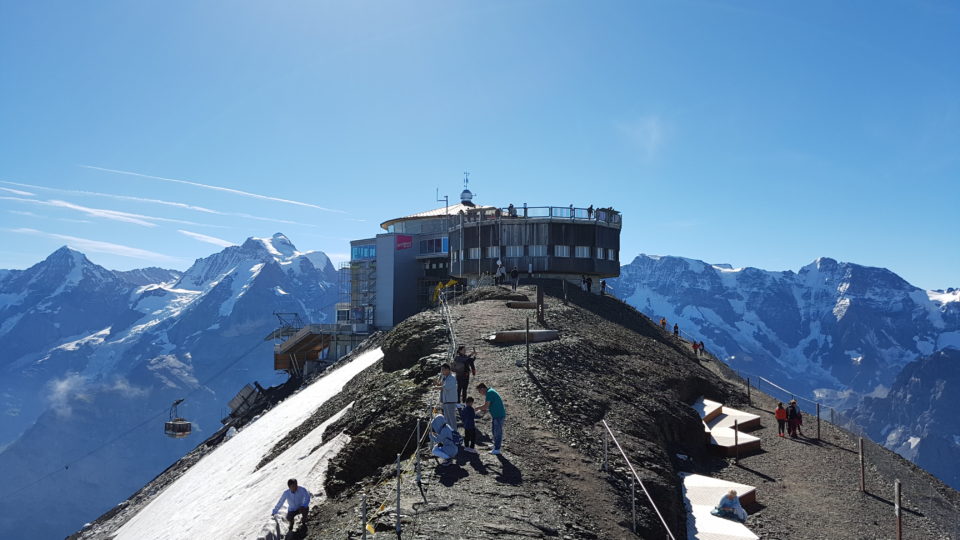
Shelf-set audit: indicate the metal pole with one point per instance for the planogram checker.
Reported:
(633, 501)
(363, 517)
(831, 416)
(527, 337)
(896, 508)
(749, 399)
(736, 441)
(863, 478)
(818, 421)
(398, 496)
(416, 452)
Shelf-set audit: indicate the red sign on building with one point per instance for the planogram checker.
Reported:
(404, 241)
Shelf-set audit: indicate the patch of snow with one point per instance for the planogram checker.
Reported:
(941, 298)
(279, 291)
(913, 442)
(223, 496)
(95, 338)
(241, 282)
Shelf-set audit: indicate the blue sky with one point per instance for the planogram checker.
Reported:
(756, 134)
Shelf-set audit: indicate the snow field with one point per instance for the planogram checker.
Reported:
(222, 496)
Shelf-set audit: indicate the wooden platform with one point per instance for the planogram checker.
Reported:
(700, 495)
(718, 422)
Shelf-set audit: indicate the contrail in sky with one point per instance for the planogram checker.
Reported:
(216, 188)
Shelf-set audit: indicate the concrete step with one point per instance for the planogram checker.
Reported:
(700, 495)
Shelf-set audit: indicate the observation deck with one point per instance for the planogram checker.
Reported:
(549, 241)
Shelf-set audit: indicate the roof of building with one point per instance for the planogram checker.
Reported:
(451, 210)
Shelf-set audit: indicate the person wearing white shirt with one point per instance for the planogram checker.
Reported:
(448, 395)
(298, 503)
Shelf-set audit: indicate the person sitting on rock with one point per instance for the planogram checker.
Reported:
(298, 503)
(729, 507)
(445, 440)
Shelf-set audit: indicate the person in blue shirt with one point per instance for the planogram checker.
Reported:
(469, 417)
(729, 507)
(298, 503)
(498, 414)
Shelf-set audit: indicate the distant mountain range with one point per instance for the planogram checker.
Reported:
(93, 357)
(836, 331)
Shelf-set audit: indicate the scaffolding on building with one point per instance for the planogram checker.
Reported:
(363, 291)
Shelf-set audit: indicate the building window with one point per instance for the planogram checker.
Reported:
(582, 252)
(493, 252)
(514, 251)
(538, 251)
(434, 245)
(368, 251)
(612, 254)
(474, 253)
(561, 251)
(600, 253)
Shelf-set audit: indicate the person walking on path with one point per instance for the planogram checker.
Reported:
(589, 284)
(298, 503)
(463, 366)
(663, 323)
(448, 395)
(701, 348)
(781, 415)
(676, 330)
(498, 414)
(515, 277)
(793, 418)
(603, 287)
(696, 347)
(469, 417)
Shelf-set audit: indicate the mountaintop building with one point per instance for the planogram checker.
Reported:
(393, 275)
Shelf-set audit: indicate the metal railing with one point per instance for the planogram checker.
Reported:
(634, 479)
(606, 216)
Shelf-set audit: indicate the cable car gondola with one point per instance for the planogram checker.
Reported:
(176, 427)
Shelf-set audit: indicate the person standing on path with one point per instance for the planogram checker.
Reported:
(463, 366)
(793, 420)
(603, 287)
(498, 414)
(701, 348)
(781, 415)
(448, 395)
(469, 417)
(676, 329)
(663, 323)
(589, 284)
(298, 503)
(515, 277)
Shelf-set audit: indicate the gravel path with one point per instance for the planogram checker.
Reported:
(825, 476)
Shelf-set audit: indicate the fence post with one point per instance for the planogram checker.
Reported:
(749, 399)
(363, 516)
(633, 501)
(896, 508)
(831, 416)
(736, 441)
(398, 496)
(416, 452)
(863, 479)
(528, 343)
(818, 421)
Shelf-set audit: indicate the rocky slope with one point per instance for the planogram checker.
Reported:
(95, 357)
(832, 331)
(611, 363)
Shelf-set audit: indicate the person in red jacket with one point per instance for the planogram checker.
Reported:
(781, 415)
